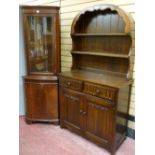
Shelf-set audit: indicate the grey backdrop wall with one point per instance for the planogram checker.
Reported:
(22, 70)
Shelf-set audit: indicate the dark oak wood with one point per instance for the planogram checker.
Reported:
(42, 101)
(42, 50)
(94, 95)
(120, 44)
(100, 34)
(101, 54)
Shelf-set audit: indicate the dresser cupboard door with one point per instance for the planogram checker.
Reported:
(70, 108)
(99, 120)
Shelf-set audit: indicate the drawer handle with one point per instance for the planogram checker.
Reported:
(81, 111)
(68, 83)
(84, 113)
(97, 91)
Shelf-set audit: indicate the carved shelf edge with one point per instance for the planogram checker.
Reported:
(126, 17)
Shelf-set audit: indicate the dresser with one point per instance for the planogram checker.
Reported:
(94, 96)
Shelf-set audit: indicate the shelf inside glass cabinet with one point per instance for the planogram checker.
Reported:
(40, 43)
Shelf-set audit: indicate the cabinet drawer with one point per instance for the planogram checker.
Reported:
(100, 91)
(70, 83)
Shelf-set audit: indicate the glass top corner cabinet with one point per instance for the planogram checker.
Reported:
(41, 29)
(42, 51)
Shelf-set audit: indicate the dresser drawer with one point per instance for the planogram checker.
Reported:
(100, 91)
(70, 83)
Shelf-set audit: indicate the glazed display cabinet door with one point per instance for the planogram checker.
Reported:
(40, 32)
(42, 102)
(99, 120)
(70, 108)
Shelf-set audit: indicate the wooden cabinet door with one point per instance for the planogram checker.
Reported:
(41, 101)
(99, 119)
(70, 108)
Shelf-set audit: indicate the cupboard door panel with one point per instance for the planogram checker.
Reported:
(42, 102)
(99, 120)
(70, 107)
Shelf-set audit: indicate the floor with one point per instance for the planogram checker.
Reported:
(47, 139)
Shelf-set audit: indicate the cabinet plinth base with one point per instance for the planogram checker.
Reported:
(52, 121)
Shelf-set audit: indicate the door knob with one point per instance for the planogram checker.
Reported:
(84, 113)
(81, 111)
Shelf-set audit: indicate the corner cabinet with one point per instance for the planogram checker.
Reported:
(41, 38)
(94, 95)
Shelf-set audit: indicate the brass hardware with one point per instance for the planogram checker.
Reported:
(84, 113)
(37, 11)
(68, 83)
(81, 111)
(97, 91)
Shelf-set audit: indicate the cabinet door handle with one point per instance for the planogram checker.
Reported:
(81, 111)
(84, 113)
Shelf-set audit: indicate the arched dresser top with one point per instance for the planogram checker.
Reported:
(126, 18)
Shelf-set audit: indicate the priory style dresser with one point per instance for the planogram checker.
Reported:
(94, 95)
(41, 38)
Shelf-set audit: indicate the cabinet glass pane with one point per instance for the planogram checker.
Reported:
(40, 44)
